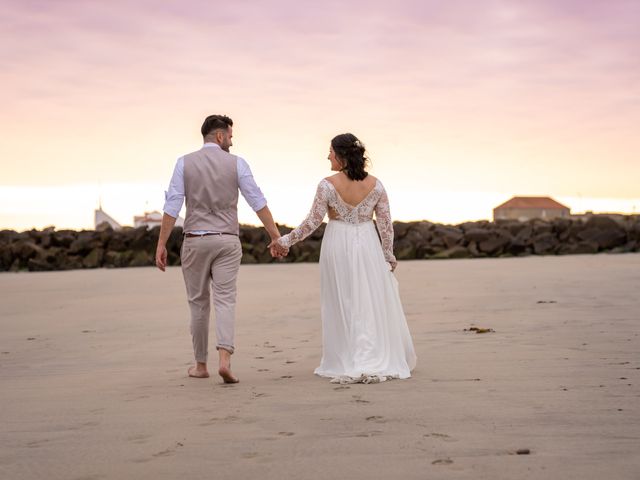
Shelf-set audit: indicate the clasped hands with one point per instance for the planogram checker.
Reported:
(277, 250)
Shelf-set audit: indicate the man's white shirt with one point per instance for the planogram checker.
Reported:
(174, 196)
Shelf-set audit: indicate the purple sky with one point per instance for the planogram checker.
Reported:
(445, 90)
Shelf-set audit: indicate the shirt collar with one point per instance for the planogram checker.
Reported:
(211, 144)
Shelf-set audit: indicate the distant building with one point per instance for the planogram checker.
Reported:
(618, 217)
(527, 208)
(153, 219)
(100, 216)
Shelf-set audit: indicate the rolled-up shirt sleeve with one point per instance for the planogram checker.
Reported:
(174, 196)
(248, 187)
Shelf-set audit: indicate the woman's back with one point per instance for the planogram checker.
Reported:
(352, 192)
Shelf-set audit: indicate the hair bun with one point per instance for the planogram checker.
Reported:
(351, 152)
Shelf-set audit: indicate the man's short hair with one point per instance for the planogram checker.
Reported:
(215, 122)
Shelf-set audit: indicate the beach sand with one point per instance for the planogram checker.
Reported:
(93, 377)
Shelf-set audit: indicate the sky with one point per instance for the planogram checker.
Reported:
(461, 104)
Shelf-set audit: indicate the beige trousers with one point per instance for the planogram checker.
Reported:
(211, 263)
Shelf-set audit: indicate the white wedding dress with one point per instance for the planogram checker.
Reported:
(364, 331)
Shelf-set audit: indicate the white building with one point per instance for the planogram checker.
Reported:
(100, 216)
(153, 219)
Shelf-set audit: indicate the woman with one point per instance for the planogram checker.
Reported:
(364, 330)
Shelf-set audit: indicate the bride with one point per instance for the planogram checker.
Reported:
(364, 330)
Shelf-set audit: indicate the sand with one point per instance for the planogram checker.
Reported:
(93, 377)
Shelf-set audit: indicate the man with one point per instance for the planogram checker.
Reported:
(209, 180)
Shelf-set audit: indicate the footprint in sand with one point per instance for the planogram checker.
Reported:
(169, 451)
(373, 433)
(290, 361)
(36, 443)
(250, 455)
(376, 419)
(358, 399)
(342, 387)
(442, 461)
(259, 358)
(286, 376)
(263, 369)
(138, 438)
(441, 436)
(286, 434)
(216, 420)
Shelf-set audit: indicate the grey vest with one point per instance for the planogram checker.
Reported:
(211, 191)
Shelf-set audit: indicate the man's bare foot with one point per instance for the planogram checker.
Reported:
(227, 376)
(198, 372)
(225, 367)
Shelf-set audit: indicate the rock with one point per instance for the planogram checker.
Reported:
(605, 239)
(602, 223)
(6, 257)
(248, 258)
(417, 238)
(541, 226)
(316, 235)
(450, 235)
(94, 258)
(141, 239)
(118, 259)
(626, 248)
(63, 238)
(84, 243)
(8, 236)
(104, 227)
(422, 229)
(525, 234)
(405, 250)
(142, 258)
(516, 247)
(174, 242)
(400, 229)
(544, 243)
(580, 248)
(477, 235)
(494, 245)
(66, 249)
(27, 250)
(457, 251)
(34, 265)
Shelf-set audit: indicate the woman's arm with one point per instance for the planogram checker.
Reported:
(385, 228)
(313, 220)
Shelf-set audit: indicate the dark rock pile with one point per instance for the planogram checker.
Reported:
(52, 249)
(506, 238)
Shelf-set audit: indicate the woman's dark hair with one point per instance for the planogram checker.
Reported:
(351, 153)
(215, 122)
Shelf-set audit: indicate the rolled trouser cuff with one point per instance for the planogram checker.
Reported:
(228, 348)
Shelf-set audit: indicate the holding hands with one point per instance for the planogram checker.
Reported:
(277, 250)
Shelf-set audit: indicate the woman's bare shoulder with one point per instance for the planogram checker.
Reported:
(332, 179)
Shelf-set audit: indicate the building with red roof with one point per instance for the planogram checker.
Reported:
(527, 208)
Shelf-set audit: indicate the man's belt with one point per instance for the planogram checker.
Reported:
(207, 234)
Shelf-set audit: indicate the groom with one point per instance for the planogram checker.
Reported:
(209, 180)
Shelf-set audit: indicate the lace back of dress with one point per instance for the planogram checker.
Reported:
(361, 213)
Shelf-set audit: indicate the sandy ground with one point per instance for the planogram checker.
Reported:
(93, 382)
